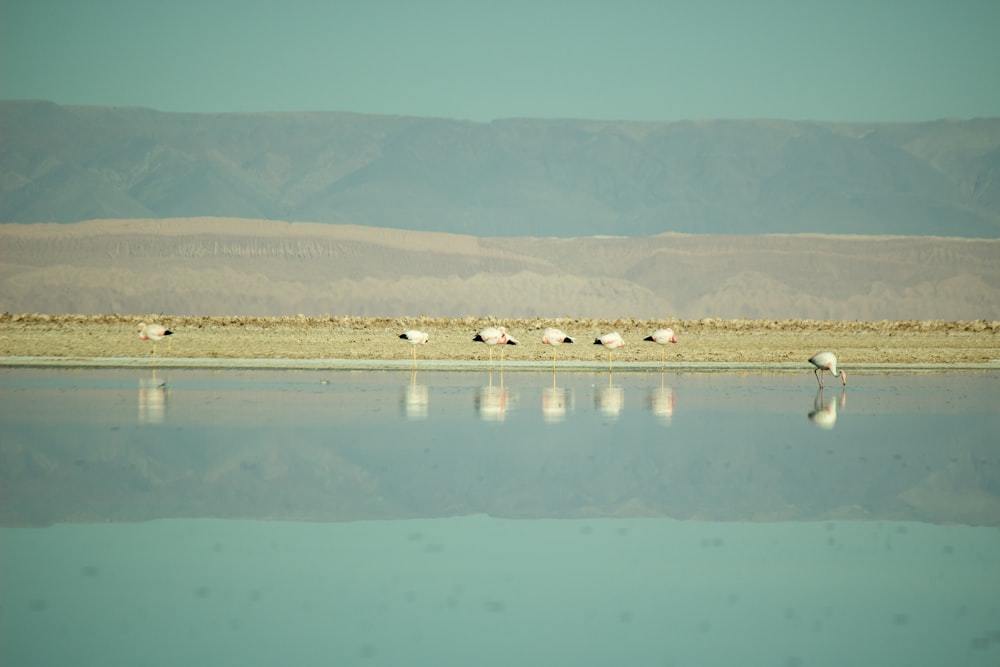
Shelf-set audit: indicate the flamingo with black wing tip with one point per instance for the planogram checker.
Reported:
(662, 337)
(555, 338)
(495, 336)
(154, 333)
(415, 338)
(826, 361)
(611, 341)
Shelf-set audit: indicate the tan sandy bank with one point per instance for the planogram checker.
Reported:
(706, 341)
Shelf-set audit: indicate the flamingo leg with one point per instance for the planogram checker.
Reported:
(819, 378)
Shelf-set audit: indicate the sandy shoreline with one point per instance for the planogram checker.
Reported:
(707, 341)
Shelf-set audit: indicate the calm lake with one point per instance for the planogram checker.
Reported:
(263, 517)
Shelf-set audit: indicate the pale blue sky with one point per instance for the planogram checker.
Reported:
(885, 60)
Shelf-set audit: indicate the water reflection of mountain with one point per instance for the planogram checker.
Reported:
(338, 477)
(339, 447)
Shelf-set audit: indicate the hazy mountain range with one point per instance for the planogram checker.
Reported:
(516, 177)
(212, 266)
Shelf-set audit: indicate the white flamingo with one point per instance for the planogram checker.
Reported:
(494, 336)
(611, 341)
(662, 337)
(555, 338)
(826, 361)
(154, 333)
(415, 338)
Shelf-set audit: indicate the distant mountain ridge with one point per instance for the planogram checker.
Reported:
(516, 177)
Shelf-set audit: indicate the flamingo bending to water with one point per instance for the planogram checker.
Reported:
(610, 341)
(826, 361)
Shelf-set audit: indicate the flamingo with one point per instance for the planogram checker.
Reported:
(611, 341)
(826, 361)
(494, 336)
(155, 333)
(662, 337)
(416, 338)
(555, 338)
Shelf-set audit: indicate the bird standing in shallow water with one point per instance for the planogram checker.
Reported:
(494, 336)
(154, 333)
(416, 338)
(662, 337)
(555, 338)
(610, 341)
(826, 361)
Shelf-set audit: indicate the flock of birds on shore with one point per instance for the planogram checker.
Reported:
(822, 362)
(492, 336)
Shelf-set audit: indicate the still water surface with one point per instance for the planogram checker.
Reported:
(438, 518)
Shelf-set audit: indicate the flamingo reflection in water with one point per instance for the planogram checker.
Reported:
(152, 399)
(416, 399)
(491, 402)
(662, 402)
(610, 400)
(554, 402)
(824, 412)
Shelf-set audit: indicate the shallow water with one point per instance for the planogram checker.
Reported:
(438, 518)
